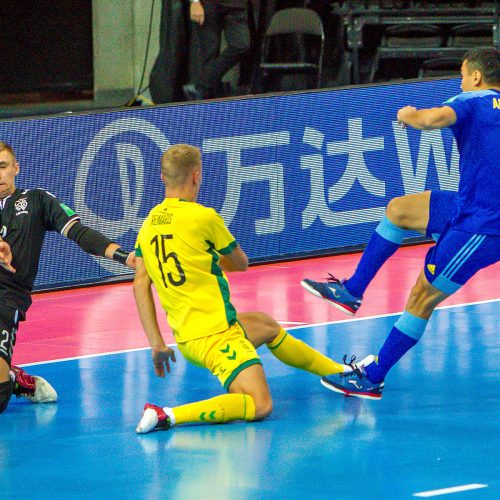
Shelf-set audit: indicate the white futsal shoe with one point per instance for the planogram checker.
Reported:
(35, 389)
(154, 418)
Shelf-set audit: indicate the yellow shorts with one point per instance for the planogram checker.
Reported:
(225, 354)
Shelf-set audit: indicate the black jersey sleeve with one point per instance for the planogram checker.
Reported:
(55, 214)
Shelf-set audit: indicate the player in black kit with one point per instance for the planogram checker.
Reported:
(25, 216)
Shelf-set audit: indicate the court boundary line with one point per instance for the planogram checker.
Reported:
(452, 489)
(387, 315)
(310, 325)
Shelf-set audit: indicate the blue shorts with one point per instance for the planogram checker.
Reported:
(457, 256)
(441, 209)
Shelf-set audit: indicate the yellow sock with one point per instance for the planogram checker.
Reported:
(224, 408)
(296, 353)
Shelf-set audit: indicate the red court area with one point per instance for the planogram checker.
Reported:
(103, 319)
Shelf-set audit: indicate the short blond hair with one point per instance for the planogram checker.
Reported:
(178, 162)
(7, 147)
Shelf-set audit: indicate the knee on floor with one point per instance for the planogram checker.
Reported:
(263, 408)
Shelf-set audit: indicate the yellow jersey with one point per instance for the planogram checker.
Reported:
(180, 242)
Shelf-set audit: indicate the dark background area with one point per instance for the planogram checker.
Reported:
(46, 46)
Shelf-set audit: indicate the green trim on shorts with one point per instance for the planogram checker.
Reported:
(241, 326)
(238, 370)
(276, 346)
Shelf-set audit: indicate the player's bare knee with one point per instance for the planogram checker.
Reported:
(418, 294)
(423, 299)
(269, 325)
(263, 408)
(395, 212)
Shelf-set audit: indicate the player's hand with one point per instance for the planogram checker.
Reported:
(161, 360)
(131, 259)
(403, 114)
(197, 13)
(6, 256)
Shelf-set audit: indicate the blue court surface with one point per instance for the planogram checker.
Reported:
(437, 426)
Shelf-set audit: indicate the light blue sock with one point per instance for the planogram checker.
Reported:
(405, 333)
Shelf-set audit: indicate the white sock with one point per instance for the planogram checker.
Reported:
(170, 414)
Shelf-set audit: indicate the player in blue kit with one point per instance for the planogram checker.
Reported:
(467, 224)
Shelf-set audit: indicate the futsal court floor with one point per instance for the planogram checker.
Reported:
(435, 433)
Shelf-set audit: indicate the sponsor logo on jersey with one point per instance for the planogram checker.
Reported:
(431, 268)
(20, 205)
(3, 231)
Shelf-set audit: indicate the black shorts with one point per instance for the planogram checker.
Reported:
(9, 321)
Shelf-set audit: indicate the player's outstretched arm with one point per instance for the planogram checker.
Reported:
(236, 260)
(160, 352)
(6, 256)
(427, 119)
(95, 243)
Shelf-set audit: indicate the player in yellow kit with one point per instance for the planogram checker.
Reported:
(184, 249)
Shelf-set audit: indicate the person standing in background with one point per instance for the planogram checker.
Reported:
(210, 18)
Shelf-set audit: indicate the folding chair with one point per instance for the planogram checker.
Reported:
(440, 66)
(304, 55)
(471, 35)
(402, 41)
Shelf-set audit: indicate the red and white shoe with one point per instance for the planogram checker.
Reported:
(34, 388)
(154, 418)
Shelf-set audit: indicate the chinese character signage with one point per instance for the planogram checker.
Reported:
(290, 175)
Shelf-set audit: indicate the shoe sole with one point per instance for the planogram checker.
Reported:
(349, 394)
(337, 305)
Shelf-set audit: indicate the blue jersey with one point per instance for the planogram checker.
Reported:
(477, 132)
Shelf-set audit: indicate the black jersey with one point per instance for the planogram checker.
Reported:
(25, 217)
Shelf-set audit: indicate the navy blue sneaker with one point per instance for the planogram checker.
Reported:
(354, 383)
(334, 291)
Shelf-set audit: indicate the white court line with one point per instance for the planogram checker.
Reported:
(310, 325)
(376, 316)
(87, 356)
(446, 491)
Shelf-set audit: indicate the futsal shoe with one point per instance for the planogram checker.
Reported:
(359, 364)
(355, 383)
(31, 387)
(335, 292)
(153, 419)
